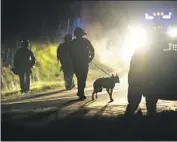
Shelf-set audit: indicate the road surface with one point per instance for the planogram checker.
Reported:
(66, 102)
(60, 116)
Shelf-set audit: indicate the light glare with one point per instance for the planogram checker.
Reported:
(136, 38)
(172, 32)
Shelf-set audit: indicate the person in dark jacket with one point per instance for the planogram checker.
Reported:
(135, 81)
(66, 62)
(151, 70)
(82, 53)
(24, 61)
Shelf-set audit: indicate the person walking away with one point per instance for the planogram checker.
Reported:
(24, 61)
(82, 53)
(66, 62)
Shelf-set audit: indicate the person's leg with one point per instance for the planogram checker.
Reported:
(22, 83)
(83, 81)
(70, 76)
(151, 101)
(81, 75)
(134, 99)
(79, 84)
(66, 78)
(27, 80)
(70, 80)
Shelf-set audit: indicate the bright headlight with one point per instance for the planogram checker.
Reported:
(137, 36)
(172, 32)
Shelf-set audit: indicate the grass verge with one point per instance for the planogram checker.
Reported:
(46, 73)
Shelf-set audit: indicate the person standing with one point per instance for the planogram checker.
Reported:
(24, 61)
(66, 62)
(82, 53)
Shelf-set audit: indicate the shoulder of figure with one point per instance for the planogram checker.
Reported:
(86, 41)
(61, 45)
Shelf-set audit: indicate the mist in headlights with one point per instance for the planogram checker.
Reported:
(172, 32)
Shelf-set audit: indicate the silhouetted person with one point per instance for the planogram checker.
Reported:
(151, 74)
(24, 60)
(66, 61)
(135, 81)
(82, 53)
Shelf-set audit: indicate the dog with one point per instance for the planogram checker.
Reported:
(108, 83)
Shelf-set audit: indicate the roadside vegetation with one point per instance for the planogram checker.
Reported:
(46, 72)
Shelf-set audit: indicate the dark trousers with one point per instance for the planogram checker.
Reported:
(81, 74)
(68, 75)
(134, 98)
(68, 78)
(24, 77)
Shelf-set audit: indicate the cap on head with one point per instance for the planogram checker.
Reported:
(68, 37)
(79, 32)
(25, 43)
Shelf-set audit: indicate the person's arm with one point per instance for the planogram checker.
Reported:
(58, 52)
(59, 56)
(33, 59)
(91, 51)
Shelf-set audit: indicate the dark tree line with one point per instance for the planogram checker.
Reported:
(34, 20)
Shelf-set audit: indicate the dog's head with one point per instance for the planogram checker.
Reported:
(115, 78)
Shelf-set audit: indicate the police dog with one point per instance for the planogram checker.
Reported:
(108, 83)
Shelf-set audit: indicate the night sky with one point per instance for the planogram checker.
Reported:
(26, 17)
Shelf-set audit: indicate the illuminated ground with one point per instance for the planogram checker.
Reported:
(63, 109)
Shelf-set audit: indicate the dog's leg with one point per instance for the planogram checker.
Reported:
(111, 99)
(110, 94)
(93, 95)
(96, 96)
(99, 90)
(108, 91)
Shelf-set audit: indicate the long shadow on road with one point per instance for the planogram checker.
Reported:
(78, 126)
(36, 105)
(39, 115)
(35, 96)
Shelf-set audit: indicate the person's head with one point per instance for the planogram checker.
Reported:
(25, 43)
(79, 32)
(68, 38)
